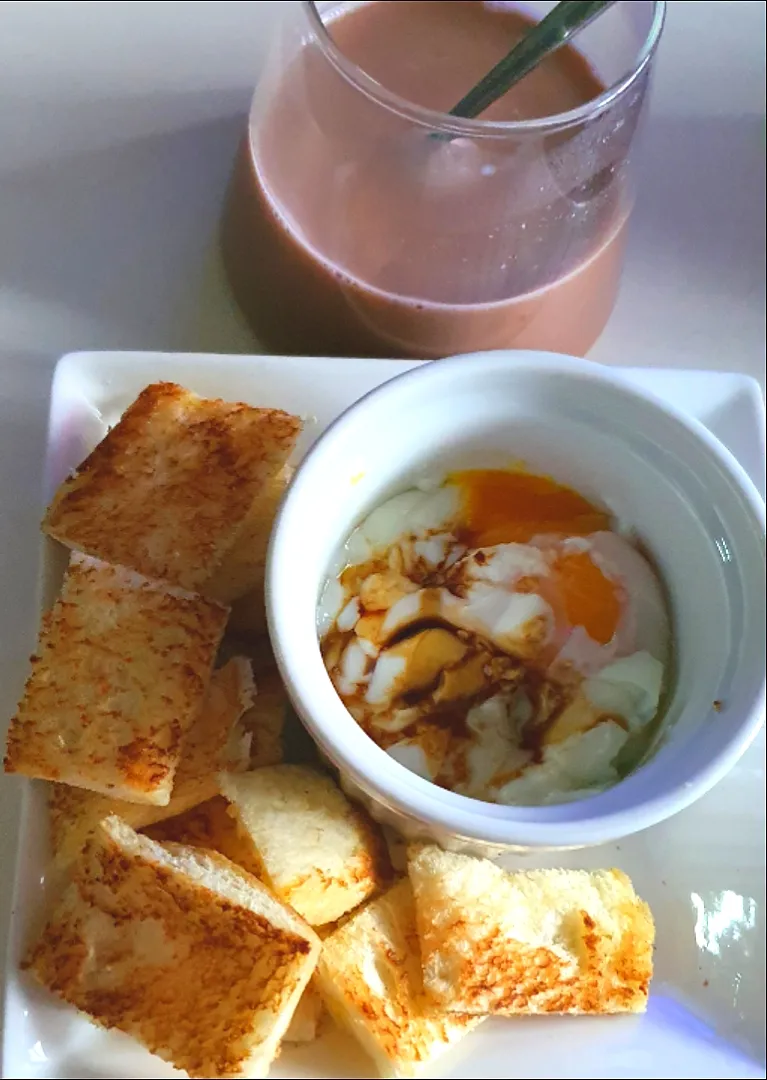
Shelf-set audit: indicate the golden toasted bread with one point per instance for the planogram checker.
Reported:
(241, 572)
(264, 720)
(370, 977)
(316, 851)
(211, 826)
(170, 487)
(246, 563)
(541, 941)
(216, 741)
(122, 668)
(305, 1025)
(178, 948)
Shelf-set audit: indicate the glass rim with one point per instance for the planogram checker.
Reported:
(444, 123)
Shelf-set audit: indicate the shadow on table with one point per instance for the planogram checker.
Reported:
(115, 247)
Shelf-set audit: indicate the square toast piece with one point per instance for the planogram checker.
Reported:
(370, 977)
(169, 488)
(178, 948)
(210, 826)
(240, 577)
(264, 721)
(122, 668)
(305, 1025)
(539, 941)
(315, 850)
(215, 741)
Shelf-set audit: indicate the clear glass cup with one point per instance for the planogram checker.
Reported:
(360, 224)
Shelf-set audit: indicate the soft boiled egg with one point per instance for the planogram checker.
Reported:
(501, 506)
(498, 613)
(412, 513)
(599, 597)
(595, 578)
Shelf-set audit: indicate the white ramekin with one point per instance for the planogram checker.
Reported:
(662, 472)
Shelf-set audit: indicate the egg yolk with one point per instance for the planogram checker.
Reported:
(504, 507)
(588, 597)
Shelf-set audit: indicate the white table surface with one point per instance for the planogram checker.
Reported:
(118, 124)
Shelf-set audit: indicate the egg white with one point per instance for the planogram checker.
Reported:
(623, 678)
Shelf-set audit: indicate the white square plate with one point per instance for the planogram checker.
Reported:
(702, 872)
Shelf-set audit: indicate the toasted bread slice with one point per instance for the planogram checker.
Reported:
(316, 851)
(241, 572)
(211, 826)
(265, 719)
(220, 739)
(541, 941)
(170, 487)
(215, 742)
(178, 948)
(305, 1025)
(370, 977)
(121, 672)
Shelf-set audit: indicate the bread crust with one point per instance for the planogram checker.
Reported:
(542, 941)
(316, 851)
(370, 977)
(168, 490)
(178, 948)
(215, 741)
(122, 667)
